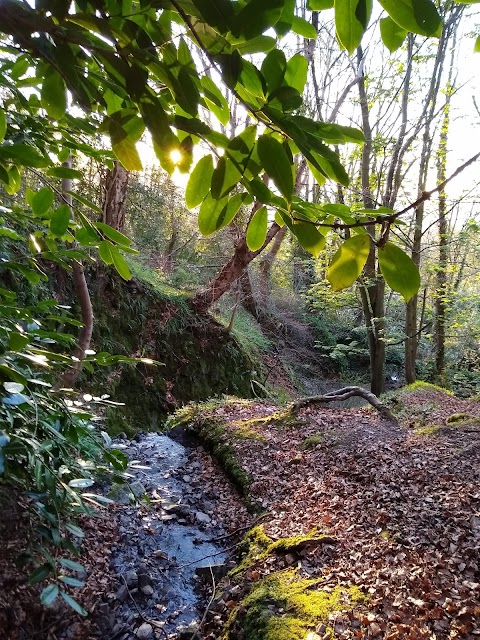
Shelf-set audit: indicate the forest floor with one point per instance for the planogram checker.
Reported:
(367, 529)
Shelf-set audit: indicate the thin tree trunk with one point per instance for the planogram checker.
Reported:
(115, 196)
(266, 267)
(70, 375)
(372, 290)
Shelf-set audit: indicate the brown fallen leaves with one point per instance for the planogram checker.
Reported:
(403, 508)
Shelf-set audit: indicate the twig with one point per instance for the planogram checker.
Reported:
(155, 623)
(247, 526)
(210, 602)
(210, 555)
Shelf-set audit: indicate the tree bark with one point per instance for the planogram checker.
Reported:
(115, 197)
(70, 375)
(345, 394)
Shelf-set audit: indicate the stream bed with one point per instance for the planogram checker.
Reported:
(166, 546)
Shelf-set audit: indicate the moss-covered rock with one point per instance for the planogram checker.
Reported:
(282, 606)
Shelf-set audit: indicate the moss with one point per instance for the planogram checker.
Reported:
(243, 432)
(419, 385)
(283, 607)
(257, 546)
(455, 418)
(145, 317)
(312, 441)
(284, 418)
(428, 430)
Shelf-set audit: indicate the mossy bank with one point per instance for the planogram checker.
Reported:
(145, 318)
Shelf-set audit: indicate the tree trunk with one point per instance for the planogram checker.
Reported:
(115, 197)
(70, 375)
(266, 267)
(372, 291)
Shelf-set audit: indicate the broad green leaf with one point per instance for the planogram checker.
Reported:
(215, 100)
(113, 234)
(5, 232)
(104, 251)
(3, 124)
(351, 21)
(19, 68)
(393, 35)
(476, 48)
(40, 573)
(348, 262)
(49, 594)
(260, 44)
(17, 342)
(60, 220)
(126, 152)
(277, 164)
(23, 154)
(296, 72)
(320, 5)
(65, 172)
(14, 180)
(273, 69)
(199, 182)
(72, 582)
(217, 13)
(417, 16)
(216, 214)
(225, 177)
(53, 96)
(256, 17)
(120, 264)
(399, 270)
(257, 229)
(303, 28)
(309, 237)
(42, 201)
(73, 603)
(76, 531)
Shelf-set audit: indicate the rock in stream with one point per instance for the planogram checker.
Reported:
(165, 546)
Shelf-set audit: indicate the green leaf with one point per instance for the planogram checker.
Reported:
(42, 201)
(476, 47)
(53, 97)
(260, 44)
(351, 21)
(320, 5)
(19, 68)
(76, 531)
(199, 182)
(273, 69)
(23, 154)
(225, 177)
(215, 100)
(120, 264)
(417, 16)
(113, 234)
(348, 262)
(257, 229)
(304, 28)
(296, 72)
(72, 582)
(399, 270)
(72, 565)
(5, 232)
(49, 594)
(60, 220)
(85, 201)
(73, 603)
(217, 13)
(126, 152)
(256, 17)
(393, 35)
(104, 250)
(309, 237)
(40, 573)
(65, 172)
(3, 124)
(216, 214)
(277, 164)
(17, 341)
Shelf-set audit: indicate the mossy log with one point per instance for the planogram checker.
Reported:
(344, 394)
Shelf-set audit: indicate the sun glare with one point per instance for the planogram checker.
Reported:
(175, 155)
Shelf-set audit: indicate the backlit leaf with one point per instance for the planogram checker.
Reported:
(53, 96)
(417, 16)
(257, 229)
(60, 220)
(199, 182)
(348, 262)
(399, 270)
(351, 21)
(277, 164)
(392, 34)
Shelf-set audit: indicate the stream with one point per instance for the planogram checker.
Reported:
(166, 546)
